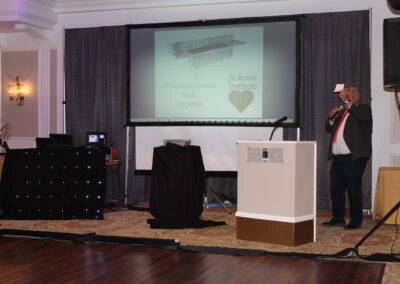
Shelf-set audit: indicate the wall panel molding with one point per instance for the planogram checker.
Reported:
(21, 142)
(395, 160)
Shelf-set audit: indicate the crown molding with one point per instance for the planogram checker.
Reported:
(40, 36)
(44, 13)
(39, 13)
(81, 6)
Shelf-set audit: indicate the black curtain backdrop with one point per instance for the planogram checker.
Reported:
(96, 82)
(334, 49)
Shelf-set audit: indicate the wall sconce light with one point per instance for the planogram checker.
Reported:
(16, 92)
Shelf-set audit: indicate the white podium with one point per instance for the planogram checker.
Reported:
(276, 192)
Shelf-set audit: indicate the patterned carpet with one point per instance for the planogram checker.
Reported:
(134, 224)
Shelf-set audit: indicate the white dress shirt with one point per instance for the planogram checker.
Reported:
(340, 147)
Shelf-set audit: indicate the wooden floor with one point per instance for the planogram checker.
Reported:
(41, 261)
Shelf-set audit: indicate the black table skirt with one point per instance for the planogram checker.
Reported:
(177, 185)
(63, 183)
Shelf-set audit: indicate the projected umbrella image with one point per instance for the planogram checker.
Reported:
(205, 51)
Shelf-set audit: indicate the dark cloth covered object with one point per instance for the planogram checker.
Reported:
(177, 187)
(63, 183)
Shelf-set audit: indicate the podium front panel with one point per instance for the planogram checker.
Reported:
(276, 191)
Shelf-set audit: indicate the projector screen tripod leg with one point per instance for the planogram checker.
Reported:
(212, 192)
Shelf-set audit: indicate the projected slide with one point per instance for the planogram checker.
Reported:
(222, 72)
(209, 73)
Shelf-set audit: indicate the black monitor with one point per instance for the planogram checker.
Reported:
(62, 139)
(44, 142)
(96, 139)
(54, 141)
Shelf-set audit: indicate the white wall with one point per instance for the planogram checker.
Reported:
(23, 42)
(385, 149)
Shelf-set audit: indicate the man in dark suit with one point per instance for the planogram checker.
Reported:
(350, 149)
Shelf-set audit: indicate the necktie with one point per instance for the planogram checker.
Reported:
(340, 123)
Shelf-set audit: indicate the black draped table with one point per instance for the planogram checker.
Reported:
(177, 187)
(62, 183)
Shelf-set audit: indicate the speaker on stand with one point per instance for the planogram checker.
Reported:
(395, 4)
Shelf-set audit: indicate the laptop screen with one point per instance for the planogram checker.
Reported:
(96, 139)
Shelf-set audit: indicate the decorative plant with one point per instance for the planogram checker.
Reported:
(5, 133)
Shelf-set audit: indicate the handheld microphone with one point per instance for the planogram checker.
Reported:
(341, 107)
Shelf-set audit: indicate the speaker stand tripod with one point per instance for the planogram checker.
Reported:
(355, 249)
(210, 191)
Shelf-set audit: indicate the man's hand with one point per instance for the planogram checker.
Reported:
(333, 113)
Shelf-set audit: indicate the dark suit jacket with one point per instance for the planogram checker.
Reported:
(357, 131)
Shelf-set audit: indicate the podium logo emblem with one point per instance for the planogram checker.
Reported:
(265, 154)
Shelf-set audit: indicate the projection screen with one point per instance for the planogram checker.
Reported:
(228, 73)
